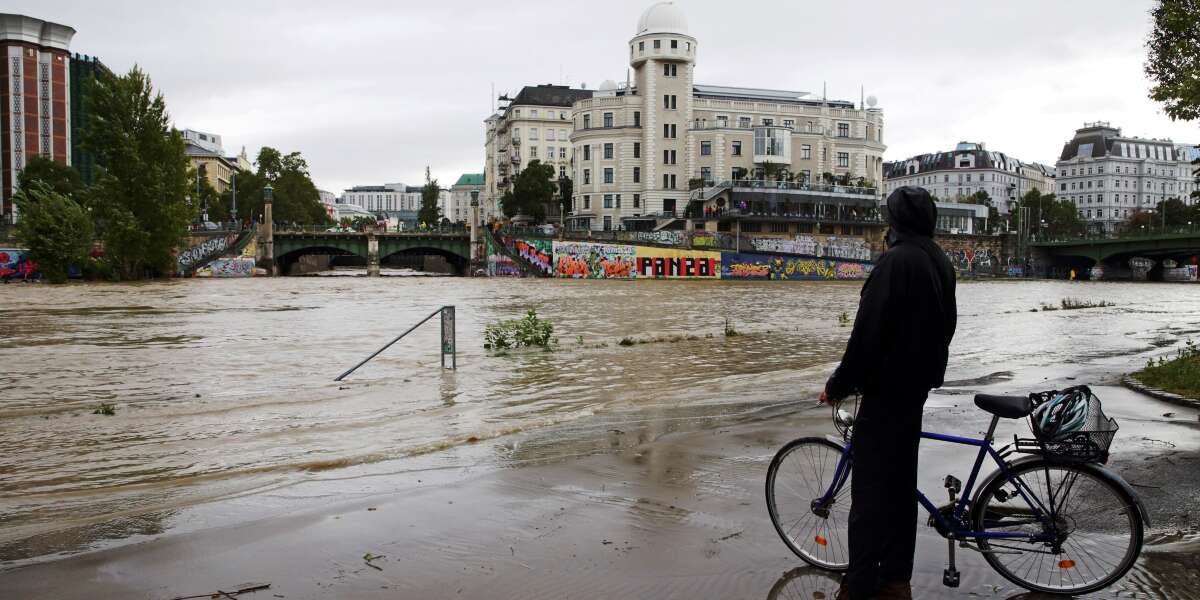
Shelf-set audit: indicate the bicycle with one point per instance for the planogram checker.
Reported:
(1054, 520)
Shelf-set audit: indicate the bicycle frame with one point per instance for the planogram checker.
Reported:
(954, 529)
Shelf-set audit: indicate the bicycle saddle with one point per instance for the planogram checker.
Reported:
(1009, 407)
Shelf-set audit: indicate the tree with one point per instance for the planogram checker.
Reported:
(1173, 58)
(61, 178)
(533, 189)
(1054, 218)
(566, 191)
(430, 214)
(508, 204)
(139, 198)
(55, 228)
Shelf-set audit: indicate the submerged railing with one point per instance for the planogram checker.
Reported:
(448, 340)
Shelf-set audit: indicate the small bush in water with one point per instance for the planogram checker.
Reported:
(528, 331)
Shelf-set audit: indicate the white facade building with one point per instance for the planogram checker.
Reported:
(1109, 177)
(971, 168)
(458, 209)
(208, 141)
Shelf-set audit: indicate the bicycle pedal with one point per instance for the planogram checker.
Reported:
(953, 484)
(950, 578)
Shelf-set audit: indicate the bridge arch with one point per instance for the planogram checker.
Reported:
(457, 261)
(287, 260)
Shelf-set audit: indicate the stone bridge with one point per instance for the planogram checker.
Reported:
(289, 246)
(1113, 254)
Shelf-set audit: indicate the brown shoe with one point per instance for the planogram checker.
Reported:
(896, 590)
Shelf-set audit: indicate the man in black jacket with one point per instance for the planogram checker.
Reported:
(896, 354)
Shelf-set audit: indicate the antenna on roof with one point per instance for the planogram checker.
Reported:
(862, 97)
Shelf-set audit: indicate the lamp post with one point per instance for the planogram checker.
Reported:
(268, 229)
(474, 231)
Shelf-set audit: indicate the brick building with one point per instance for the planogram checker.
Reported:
(35, 107)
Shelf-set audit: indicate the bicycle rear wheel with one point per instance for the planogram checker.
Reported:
(801, 473)
(1097, 524)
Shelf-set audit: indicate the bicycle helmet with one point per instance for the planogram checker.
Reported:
(1060, 416)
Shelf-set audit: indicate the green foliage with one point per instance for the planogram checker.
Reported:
(55, 228)
(566, 190)
(139, 196)
(429, 214)
(843, 319)
(1060, 216)
(1180, 375)
(105, 409)
(357, 223)
(296, 198)
(1075, 304)
(729, 330)
(61, 178)
(508, 204)
(1173, 58)
(526, 332)
(533, 189)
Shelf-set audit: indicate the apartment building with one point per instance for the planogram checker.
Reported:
(458, 209)
(36, 111)
(660, 147)
(1109, 176)
(971, 168)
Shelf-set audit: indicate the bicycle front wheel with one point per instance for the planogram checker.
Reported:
(1095, 533)
(799, 477)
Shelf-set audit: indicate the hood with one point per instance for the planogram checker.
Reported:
(911, 212)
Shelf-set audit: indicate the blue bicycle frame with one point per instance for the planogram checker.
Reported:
(955, 530)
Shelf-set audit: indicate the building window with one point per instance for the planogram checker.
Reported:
(722, 121)
(533, 133)
(789, 123)
(637, 118)
(705, 148)
(562, 152)
(669, 130)
(562, 172)
(674, 44)
(637, 149)
(587, 121)
(805, 152)
(737, 148)
(843, 159)
(637, 174)
(744, 122)
(670, 70)
(641, 46)
(516, 134)
(706, 174)
(587, 202)
(843, 130)
(617, 198)
(768, 122)
(657, 44)
(587, 176)
(637, 200)
(608, 175)
(607, 223)
(608, 120)
(669, 157)
(608, 151)
(533, 152)
(587, 152)
(608, 201)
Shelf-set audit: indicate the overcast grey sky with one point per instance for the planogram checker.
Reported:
(371, 92)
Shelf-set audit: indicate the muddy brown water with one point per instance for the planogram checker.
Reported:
(224, 388)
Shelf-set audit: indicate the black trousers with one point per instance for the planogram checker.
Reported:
(883, 509)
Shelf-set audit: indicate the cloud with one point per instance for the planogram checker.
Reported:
(373, 91)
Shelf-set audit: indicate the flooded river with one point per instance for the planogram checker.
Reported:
(224, 387)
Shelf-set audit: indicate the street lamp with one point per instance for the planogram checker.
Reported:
(475, 250)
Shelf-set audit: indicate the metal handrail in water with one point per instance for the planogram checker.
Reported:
(448, 341)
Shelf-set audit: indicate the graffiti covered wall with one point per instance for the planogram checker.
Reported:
(587, 260)
(830, 247)
(14, 264)
(711, 239)
(664, 263)
(539, 253)
(500, 265)
(238, 266)
(735, 265)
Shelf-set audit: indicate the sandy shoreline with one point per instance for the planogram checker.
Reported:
(657, 515)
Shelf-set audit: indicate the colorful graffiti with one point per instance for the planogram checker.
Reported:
(662, 263)
(735, 265)
(830, 246)
(14, 264)
(586, 260)
(500, 265)
(539, 253)
(238, 266)
(972, 259)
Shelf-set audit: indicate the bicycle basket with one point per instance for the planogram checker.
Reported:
(1087, 444)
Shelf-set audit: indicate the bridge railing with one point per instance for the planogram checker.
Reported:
(1148, 234)
(309, 228)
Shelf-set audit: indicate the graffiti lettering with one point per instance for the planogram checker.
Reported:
(686, 266)
(240, 266)
(831, 246)
(762, 266)
(198, 255)
(586, 260)
(539, 253)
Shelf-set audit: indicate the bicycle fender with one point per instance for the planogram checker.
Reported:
(1098, 470)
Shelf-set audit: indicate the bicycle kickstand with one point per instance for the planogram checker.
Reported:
(950, 575)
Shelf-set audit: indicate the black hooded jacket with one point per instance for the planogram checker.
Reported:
(906, 314)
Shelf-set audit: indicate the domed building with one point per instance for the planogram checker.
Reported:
(660, 151)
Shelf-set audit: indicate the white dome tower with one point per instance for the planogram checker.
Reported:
(663, 56)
